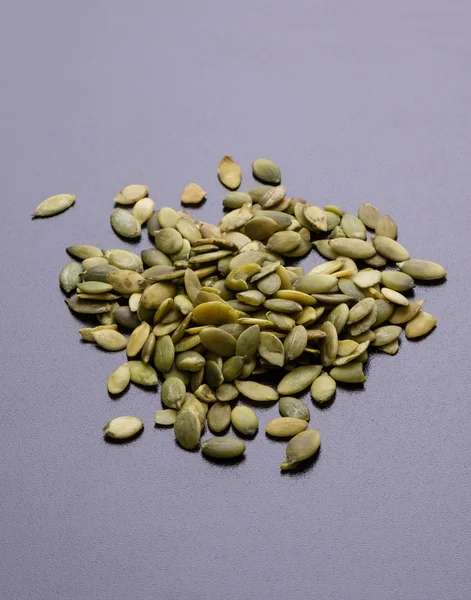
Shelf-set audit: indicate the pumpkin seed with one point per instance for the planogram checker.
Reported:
(389, 248)
(110, 340)
(214, 313)
(226, 392)
(173, 393)
(364, 324)
(369, 214)
(153, 258)
(360, 310)
(339, 316)
(218, 341)
(69, 277)
(119, 380)
(324, 248)
(386, 227)
(54, 205)
(420, 325)
(256, 391)
(390, 348)
(394, 297)
(205, 394)
(292, 407)
(123, 428)
(260, 228)
(223, 447)
(285, 426)
(266, 170)
(123, 259)
(301, 447)
(349, 288)
(295, 342)
(353, 227)
(366, 278)
(422, 269)
(187, 429)
(169, 241)
(314, 217)
(126, 318)
(236, 199)
(125, 224)
(395, 280)
(323, 388)
(138, 339)
(352, 248)
(283, 241)
(273, 196)
(386, 334)
(142, 374)
(168, 416)
(298, 379)
(87, 307)
(131, 194)
(315, 284)
(384, 310)
(192, 194)
(229, 173)
(219, 416)
(329, 344)
(189, 361)
(244, 420)
(350, 373)
(403, 314)
(232, 368)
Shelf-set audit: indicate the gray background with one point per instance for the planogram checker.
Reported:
(357, 101)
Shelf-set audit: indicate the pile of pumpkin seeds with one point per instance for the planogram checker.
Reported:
(216, 311)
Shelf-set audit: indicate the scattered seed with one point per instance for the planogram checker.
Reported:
(123, 428)
(54, 205)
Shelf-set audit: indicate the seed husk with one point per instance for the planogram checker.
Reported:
(192, 194)
(266, 170)
(403, 314)
(353, 227)
(142, 374)
(292, 407)
(369, 214)
(285, 426)
(244, 420)
(125, 224)
(352, 248)
(229, 173)
(301, 447)
(298, 379)
(256, 391)
(165, 417)
(389, 248)
(394, 297)
(187, 428)
(54, 205)
(323, 388)
(422, 269)
(69, 277)
(420, 325)
(219, 416)
(123, 428)
(223, 447)
(350, 373)
(386, 226)
(386, 334)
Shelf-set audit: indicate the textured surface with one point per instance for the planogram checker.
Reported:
(357, 101)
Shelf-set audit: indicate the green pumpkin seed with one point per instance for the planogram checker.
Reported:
(273, 197)
(395, 280)
(189, 361)
(94, 261)
(83, 251)
(298, 379)
(346, 347)
(422, 269)
(218, 341)
(168, 416)
(229, 173)
(219, 417)
(386, 334)
(403, 314)
(138, 339)
(94, 287)
(198, 408)
(248, 342)
(110, 340)
(376, 261)
(143, 210)
(142, 374)
(236, 199)
(283, 241)
(126, 318)
(420, 325)
(213, 374)
(282, 306)
(271, 349)
(314, 218)
(54, 205)
(338, 317)
(353, 227)
(360, 310)
(315, 284)
(223, 447)
(386, 227)
(266, 170)
(126, 282)
(323, 388)
(369, 214)
(125, 224)
(119, 380)
(366, 278)
(98, 273)
(156, 293)
(148, 349)
(232, 368)
(327, 268)
(69, 277)
(187, 429)
(349, 288)
(205, 394)
(352, 248)
(173, 393)
(285, 426)
(244, 420)
(192, 194)
(300, 448)
(270, 284)
(292, 407)
(295, 342)
(329, 344)
(384, 310)
(365, 323)
(123, 259)
(251, 297)
(226, 392)
(389, 248)
(169, 241)
(332, 222)
(87, 332)
(351, 373)
(390, 348)
(359, 351)
(123, 428)
(325, 249)
(154, 258)
(214, 313)
(256, 391)
(260, 228)
(87, 307)
(394, 297)
(131, 194)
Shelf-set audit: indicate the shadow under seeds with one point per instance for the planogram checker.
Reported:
(113, 442)
(131, 241)
(225, 462)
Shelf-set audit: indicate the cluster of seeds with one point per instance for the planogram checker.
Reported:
(213, 308)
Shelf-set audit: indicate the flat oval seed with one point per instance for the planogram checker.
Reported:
(189, 361)
(298, 379)
(142, 374)
(218, 341)
(329, 344)
(266, 170)
(169, 241)
(366, 278)
(125, 224)
(126, 318)
(338, 317)
(219, 416)
(138, 339)
(384, 310)
(422, 269)
(110, 340)
(282, 306)
(232, 368)
(187, 429)
(167, 416)
(123, 428)
(226, 392)
(323, 388)
(119, 379)
(69, 277)
(353, 248)
(271, 349)
(192, 194)
(292, 407)
(420, 325)
(54, 205)
(353, 227)
(223, 447)
(123, 259)
(386, 226)
(244, 420)
(143, 210)
(131, 194)
(395, 297)
(153, 258)
(395, 280)
(229, 173)
(285, 426)
(214, 313)
(236, 199)
(350, 373)
(248, 342)
(360, 310)
(283, 241)
(386, 334)
(403, 314)
(94, 287)
(83, 251)
(86, 332)
(315, 284)
(256, 391)
(295, 342)
(260, 228)
(173, 392)
(389, 248)
(348, 288)
(369, 214)
(301, 447)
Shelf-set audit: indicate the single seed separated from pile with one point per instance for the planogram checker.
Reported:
(219, 312)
